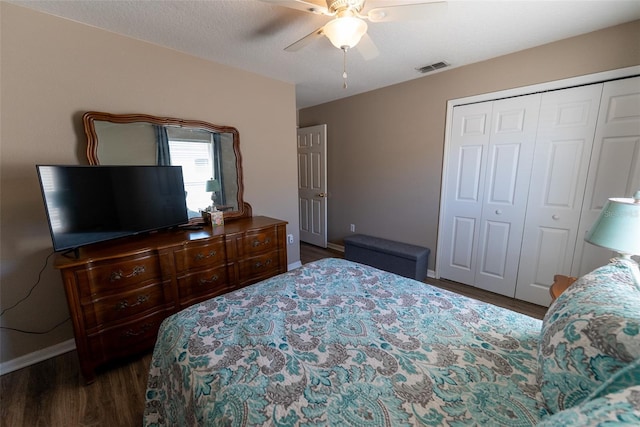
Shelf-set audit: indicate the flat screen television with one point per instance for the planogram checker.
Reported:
(89, 204)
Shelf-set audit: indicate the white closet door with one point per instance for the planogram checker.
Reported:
(486, 181)
(563, 146)
(463, 190)
(615, 164)
(509, 161)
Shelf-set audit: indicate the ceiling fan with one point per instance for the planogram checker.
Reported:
(348, 26)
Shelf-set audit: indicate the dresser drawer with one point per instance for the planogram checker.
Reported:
(210, 282)
(129, 338)
(118, 307)
(198, 255)
(258, 242)
(259, 267)
(114, 275)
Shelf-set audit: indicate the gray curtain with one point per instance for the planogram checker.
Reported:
(162, 139)
(217, 156)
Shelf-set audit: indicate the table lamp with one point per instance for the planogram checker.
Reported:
(213, 186)
(618, 228)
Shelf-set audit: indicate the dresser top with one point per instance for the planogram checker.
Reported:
(157, 240)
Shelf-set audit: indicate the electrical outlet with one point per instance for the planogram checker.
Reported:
(352, 228)
(290, 239)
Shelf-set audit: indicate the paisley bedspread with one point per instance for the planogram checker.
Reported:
(335, 343)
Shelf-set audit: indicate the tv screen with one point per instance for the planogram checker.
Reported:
(88, 204)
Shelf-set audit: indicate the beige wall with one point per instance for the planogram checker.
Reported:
(385, 147)
(53, 70)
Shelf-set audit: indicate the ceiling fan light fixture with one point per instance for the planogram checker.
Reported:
(345, 32)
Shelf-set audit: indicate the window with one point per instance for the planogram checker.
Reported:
(195, 159)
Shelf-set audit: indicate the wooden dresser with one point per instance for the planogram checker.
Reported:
(120, 291)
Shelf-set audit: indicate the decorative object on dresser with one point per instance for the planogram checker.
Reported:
(120, 291)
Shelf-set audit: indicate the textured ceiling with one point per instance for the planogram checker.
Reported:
(251, 35)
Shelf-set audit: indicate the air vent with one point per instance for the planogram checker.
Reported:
(433, 67)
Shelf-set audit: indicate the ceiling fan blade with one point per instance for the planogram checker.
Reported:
(407, 12)
(367, 48)
(305, 41)
(314, 6)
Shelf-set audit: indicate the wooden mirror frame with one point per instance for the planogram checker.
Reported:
(90, 117)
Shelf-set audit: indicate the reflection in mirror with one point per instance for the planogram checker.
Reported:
(209, 155)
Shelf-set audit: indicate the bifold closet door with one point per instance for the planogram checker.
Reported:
(615, 164)
(485, 196)
(464, 189)
(564, 140)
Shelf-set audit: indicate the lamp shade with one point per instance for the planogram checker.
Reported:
(212, 185)
(345, 32)
(618, 226)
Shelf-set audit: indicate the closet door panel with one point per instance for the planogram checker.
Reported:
(506, 183)
(494, 246)
(468, 181)
(467, 195)
(563, 148)
(463, 192)
(462, 243)
(615, 165)
(616, 169)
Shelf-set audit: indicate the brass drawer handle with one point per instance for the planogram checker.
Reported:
(134, 333)
(199, 256)
(257, 243)
(125, 303)
(118, 275)
(213, 279)
(259, 264)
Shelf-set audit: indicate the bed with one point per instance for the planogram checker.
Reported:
(337, 343)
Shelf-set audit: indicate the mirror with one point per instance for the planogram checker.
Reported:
(209, 155)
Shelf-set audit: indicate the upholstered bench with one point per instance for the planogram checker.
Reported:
(396, 257)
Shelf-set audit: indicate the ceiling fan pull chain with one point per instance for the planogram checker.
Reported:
(344, 67)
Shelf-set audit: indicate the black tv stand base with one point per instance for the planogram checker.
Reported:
(74, 251)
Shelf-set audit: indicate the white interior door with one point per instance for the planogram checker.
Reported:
(312, 184)
(615, 165)
(564, 141)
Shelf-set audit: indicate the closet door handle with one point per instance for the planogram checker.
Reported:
(498, 211)
(555, 217)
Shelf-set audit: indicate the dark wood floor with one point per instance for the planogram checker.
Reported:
(52, 393)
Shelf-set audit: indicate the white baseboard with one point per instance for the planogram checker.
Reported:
(335, 247)
(37, 356)
(294, 265)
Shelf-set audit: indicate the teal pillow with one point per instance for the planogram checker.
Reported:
(619, 409)
(589, 334)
